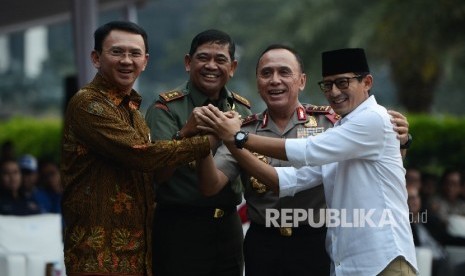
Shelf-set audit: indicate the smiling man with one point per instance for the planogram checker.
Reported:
(358, 161)
(194, 234)
(108, 161)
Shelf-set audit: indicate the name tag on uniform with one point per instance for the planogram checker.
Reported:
(304, 132)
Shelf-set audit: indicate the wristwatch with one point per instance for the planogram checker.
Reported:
(240, 138)
(409, 142)
(177, 135)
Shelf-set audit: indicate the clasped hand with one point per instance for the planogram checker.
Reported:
(222, 124)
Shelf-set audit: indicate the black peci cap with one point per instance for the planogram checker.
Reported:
(344, 61)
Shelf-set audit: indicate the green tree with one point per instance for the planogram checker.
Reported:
(420, 40)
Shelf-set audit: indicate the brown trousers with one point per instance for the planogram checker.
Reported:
(398, 267)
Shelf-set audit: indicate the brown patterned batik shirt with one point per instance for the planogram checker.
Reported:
(107, 160)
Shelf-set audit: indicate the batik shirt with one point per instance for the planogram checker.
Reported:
(107, 159)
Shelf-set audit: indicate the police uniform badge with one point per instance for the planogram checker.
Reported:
(257, 186)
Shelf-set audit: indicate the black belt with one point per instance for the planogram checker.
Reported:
(200, 211)
(301, 230)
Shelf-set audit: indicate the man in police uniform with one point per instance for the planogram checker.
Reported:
(282, 250)
(194, 234)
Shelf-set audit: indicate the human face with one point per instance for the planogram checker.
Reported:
(50, 175)
(122, 60)
(414, 200)
(10, 176)
(279, 80)
(210, 68)
(344, 101)
(452, 186)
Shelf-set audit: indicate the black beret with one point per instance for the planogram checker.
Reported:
(344, 61)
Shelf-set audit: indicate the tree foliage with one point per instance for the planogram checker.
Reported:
(420, 40)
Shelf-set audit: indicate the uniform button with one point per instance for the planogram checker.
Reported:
(338, 263)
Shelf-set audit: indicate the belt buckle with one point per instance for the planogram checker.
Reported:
(218, 213)
(285, 231)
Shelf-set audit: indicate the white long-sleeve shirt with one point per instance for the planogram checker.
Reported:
(360, 164)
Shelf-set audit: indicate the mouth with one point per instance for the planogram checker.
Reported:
(276, 91)
(338, 100)
(211, 76)
(124, 71)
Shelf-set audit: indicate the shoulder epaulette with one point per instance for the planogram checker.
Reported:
(324, 110)
(250, 119)
(241, 99)
(319, 109)
(171, 95)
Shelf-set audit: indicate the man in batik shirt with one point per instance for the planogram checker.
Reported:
(107, 161)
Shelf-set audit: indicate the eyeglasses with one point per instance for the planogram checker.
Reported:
(120, 53)
(341, 83)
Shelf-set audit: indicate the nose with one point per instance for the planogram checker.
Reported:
(126, 58)
(275, 78)
(211, 64)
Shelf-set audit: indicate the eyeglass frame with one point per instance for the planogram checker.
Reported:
(120, 53)
(346, 80)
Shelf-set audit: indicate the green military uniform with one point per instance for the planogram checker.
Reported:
(283, 249)
(192, 232)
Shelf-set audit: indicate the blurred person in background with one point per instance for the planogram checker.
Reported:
(50, 186)
(427, 231)
(448, 202)
(413, 177)
(30, 177)
(12, 202)
(450, 208)
(428, 190)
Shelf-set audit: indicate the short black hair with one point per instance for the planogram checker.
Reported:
(213, 36)
(285, 47)
(102, 32)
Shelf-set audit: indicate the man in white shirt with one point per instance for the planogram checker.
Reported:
(359, 163)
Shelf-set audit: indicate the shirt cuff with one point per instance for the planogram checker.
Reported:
(287, 181)
(296, 149)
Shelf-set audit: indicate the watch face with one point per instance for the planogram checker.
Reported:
(240, 136)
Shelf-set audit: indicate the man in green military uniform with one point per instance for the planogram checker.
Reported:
(279, 250)
(194, 234)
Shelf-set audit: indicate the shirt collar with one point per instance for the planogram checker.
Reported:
(113, 94)
(199, 98)
(299, 117)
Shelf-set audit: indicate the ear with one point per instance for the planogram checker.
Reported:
(146, 62)
(95, 56)
(233, 68)
(368, 82)
(303, 81)
(187, 63)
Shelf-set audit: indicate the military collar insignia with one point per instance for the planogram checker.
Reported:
(265, 119)
(301, 115)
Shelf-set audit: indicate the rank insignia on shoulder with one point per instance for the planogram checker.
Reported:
(333, 117)
(319, 109)
(241, 99)
(171, 95)
(249, 119)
